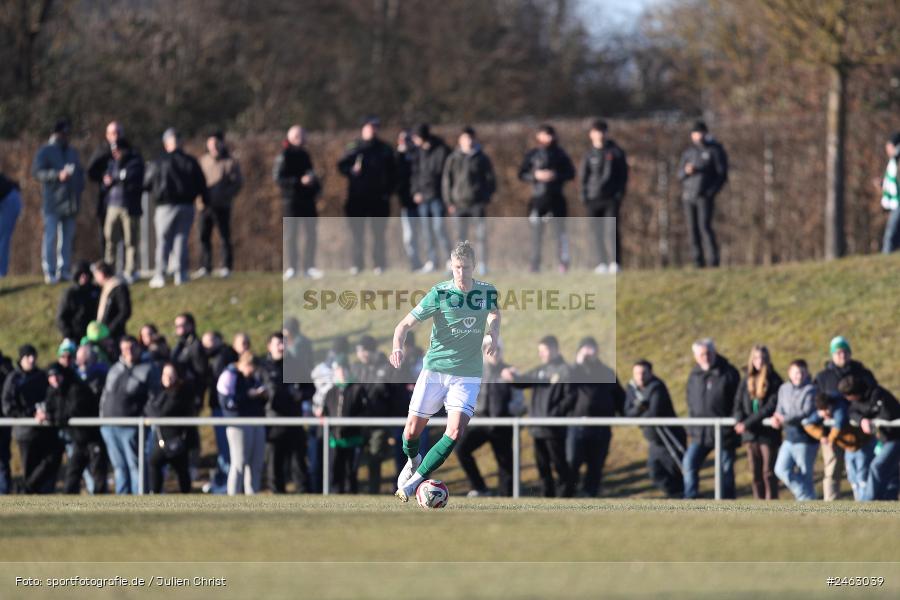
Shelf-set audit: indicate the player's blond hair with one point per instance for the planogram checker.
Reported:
(463, 251)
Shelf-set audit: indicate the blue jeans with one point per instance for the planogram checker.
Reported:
(122, 446)
(57, 247)
(693, 459)
(883, 474)
(10, 207)
(891, 232)
(410, 227)
(794, 467)
(433, 231)
(857, 463)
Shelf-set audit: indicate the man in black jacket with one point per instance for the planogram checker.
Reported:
(409, 212)
(190, 357)
(96, 170)
(841, 365)
(868, 402)
(300, 189)
(67, 397)
(123, 185)
(176, 183)
(375, 374)
(114, 305)
(496, 398)
(647, 396)
(24, 391)
(287, 445)
(604, 176)
(553, 396)
(547, 168)
(425, 184)
(598, 393)
(78, 306)
(468, 184)
(368, 165)
(711, 388)
(703, 173)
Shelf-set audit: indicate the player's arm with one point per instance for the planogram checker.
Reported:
(492, 328)
(396, 357)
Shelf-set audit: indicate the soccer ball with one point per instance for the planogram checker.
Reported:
(432, 493)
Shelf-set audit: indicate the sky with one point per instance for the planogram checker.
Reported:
(600, 15)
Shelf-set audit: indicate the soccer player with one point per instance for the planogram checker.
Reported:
(466, 323)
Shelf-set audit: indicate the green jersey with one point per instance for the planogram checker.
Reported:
(458, 327)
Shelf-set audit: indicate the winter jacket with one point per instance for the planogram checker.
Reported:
(547, 197)
(175, 401)
(116, 307)
(297, 199)
(234, 397)
(651, 401)
(497, 398)
(96, 168)
(604, 174)
(797, 405)
(711, 394)
(128, 180)
(827, 379)
(21, 392)
(468, 179)
(751, 411)
(710, 169)
(377, 377)
(73, 398)
(177, 179)
(283, 399)
(218, 360)
(598, 393)
(60, 198)
(368, 193)
(878, 403)
(890, 193)
(345, 401)
(428, 169)
(553, 396)
(223, 178)
(403, 174)
(127, 389)
(77, 308)
(7, 185)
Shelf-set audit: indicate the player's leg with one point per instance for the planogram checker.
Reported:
(461, 395)
(427, 398)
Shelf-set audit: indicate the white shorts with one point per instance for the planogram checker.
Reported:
(433, 390)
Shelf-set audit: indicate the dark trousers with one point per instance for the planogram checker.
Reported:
(665, 471)
(91, 456)
(179, 462)
(287, 460)
(588, 446)
(538, 221)
(549, 454)
(500, 439)
(606, 230)
(344, 463)
(292, 227)
(376, 452)
(699, 214)
(5, 472)
(212, 217)
(761, 458)
(41, 457)
(358, 240)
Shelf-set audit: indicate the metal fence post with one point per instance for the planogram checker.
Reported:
(326, 458)
(718, 450)
(516, 457)
(142, 448)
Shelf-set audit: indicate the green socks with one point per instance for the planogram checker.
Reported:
(411, 447)
(436, 456)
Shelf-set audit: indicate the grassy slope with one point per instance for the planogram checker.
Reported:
(795, 309)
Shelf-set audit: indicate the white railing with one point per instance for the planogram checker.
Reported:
(327, 422)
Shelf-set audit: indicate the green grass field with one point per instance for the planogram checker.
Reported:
(366, 547)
